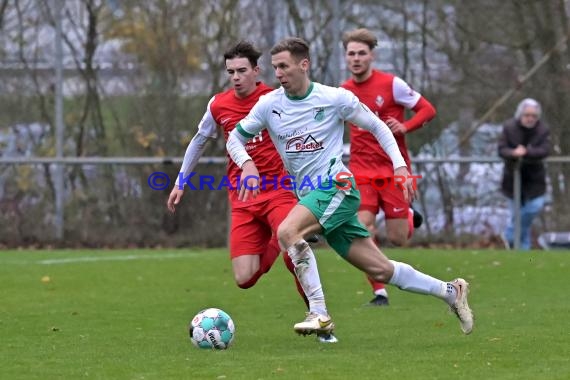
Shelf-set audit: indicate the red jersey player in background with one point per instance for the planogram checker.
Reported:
(388, 97)
(253, 240)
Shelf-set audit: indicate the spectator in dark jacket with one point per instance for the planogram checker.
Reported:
(526, 142)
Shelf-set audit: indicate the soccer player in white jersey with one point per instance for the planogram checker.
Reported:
(305, 121)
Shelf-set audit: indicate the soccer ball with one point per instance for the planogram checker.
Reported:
(212, 328)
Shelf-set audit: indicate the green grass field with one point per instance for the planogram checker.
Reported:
(124, 315)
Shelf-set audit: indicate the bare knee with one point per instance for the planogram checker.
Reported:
(397, 231)
(371, 227)
(368, 219)
(243, 278)
(397, 237)
(287, 235)
(246, 270)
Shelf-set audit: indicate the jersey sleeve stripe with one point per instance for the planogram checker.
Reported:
(243, 132)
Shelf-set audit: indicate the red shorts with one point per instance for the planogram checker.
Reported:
(387, 197)
(254, 223)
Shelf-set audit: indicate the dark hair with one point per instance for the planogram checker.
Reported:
(361, 35)
(243, 49)
(298, 47)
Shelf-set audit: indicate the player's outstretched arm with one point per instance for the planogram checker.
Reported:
(194, 151)
(207, 130)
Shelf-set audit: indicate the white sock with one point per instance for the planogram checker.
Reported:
(381, 292)
(407, 278)
(308, 274)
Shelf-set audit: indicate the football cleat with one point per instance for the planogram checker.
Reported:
(417, 217)
(314, 323)
(378, 300)
(460, 307)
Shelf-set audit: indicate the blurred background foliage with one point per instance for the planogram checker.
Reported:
(138, 74)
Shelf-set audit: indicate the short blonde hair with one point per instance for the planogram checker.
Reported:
(361, 35)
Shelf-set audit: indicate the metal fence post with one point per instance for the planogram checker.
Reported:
(59, 182)
(517, 205)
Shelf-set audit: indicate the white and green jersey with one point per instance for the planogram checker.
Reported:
(308, 131)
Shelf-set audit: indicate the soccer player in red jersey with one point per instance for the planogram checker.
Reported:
(253, 240)
(388, 96)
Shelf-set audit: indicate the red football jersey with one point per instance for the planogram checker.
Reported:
(227, 110)
(386, 95)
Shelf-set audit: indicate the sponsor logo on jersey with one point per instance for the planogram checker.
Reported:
(251, 143)
(379, 100)
(276, 112)
(303, 144)
(295, 133)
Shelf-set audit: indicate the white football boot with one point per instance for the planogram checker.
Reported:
(460, 306)
(314, 323)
